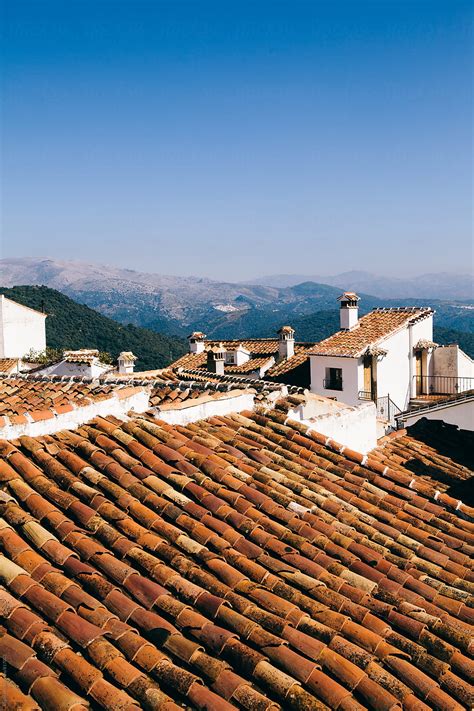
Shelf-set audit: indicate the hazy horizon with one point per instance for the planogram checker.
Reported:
(239, 140)
(114, 265)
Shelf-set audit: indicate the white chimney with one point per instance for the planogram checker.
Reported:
(286, 342)
(126, 363)
(216, 359)
(349, 311)
(196, 342)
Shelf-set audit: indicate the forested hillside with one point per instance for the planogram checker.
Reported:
(73, 325)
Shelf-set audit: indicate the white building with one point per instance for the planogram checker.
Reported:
(21, 329)
(387, 353)
(83, 363)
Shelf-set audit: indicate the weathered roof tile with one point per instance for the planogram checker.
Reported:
(230, 581)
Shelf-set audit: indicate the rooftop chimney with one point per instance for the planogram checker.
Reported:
(126, 362)
(349, 312)
(286, 342)
(216, 359)
(196, 342)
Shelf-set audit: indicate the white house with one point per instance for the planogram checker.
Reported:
(388, 352)
(84, 363)
(21, 329)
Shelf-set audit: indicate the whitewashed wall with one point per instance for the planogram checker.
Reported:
(396, 371)
(21, 329)
(138, 402)
(393, 370)
(355, 427)
(445, 361)
(350, 377)
(459, 413)
(70, 370)
(465, 365)
(451, 361)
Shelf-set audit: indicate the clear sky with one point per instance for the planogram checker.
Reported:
(233, 139)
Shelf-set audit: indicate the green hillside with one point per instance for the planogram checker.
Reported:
(445, 336)
(73, 325)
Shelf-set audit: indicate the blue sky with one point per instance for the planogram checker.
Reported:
(234, 139)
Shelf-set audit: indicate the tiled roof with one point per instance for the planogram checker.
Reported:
(157, 374)
(85, 355)
(372, 328)
(424, 450)
(250, 366)
(257, 347)
(261, 350)
(235, 380)
(236, 562)
(285, 366)
(163, 394)
(19, 395)
(7, 365)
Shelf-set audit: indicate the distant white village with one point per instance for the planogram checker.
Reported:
(377, 373)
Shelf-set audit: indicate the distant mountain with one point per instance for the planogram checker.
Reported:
(179, 305)
(165, 303)
(72, 325)
(425, 286)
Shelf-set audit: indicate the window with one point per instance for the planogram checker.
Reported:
(333, 379)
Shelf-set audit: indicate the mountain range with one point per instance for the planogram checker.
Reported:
(442, 285)
(178, 305)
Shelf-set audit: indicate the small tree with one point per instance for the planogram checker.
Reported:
(46, 357)
(105, 357)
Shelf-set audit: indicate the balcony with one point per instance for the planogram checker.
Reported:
(435, 385)
(430, 390)
(332, 384)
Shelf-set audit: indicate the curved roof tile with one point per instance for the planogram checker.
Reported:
(241, 561)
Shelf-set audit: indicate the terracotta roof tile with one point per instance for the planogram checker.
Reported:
(9, 365)
(40, 396)
(234, 561)
(369, 331)
(261, 351)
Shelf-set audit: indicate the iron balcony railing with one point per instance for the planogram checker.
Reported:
(441, 385)
(332, 384)
(387, 410)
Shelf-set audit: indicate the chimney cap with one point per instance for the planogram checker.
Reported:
(127, 356)
(348, 296)
(286, 329)
(197, 336)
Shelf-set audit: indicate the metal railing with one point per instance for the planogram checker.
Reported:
(365, 395)
(331, 384)
(387, 410)
(440, 385)
(449, 401)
